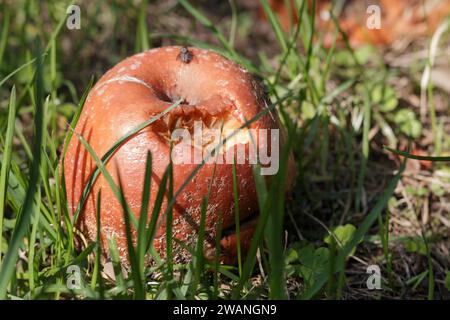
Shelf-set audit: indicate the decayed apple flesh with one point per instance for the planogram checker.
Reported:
(189, 116)
(225, 124)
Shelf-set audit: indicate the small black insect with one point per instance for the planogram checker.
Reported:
(185, 55)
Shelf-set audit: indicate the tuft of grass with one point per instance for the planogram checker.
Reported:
(8, 264)
(360, 232)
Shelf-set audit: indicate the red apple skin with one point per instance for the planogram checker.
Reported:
(129, 94)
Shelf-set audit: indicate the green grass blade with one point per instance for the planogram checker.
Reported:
(17, 71)
(217, 257)
(237, 218)
(135, 274)
(142, 30)
(262, 193)
(156, 209)
(311, 37)
(4, 34)
(198, 259)
(142, 230)
(76, 117)
(96, 273)
(114, 254)
(169, 235)
(277, 281)
(6, 160)
(431, 281)
(279, 33)
(365, 148)
(200, 17)
(31, 250)
(416, 157)
(234, 21)
(291, 45)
